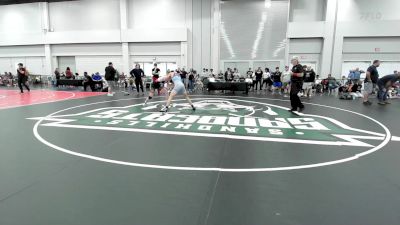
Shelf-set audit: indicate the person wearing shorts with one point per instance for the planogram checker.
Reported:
(309, 81)
(286, 80)
(179, 89)
(155, 85)
(370, 81)
(276, 78)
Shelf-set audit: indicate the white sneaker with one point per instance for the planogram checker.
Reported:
(110, 94)
(164, 109)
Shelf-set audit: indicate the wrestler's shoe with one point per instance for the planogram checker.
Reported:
(164, 109)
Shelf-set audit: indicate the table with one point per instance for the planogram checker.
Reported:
(70, 82)
(228, 86)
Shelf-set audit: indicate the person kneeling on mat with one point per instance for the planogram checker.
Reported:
(179, 88)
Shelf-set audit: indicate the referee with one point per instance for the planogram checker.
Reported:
(296, 85)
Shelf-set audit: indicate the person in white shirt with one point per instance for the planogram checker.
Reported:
(286, 79)
(212, 74)
(267, 80)
(236, 74)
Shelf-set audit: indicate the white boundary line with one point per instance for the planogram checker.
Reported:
(387, 139)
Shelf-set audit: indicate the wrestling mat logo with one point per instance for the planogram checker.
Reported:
(219, 118)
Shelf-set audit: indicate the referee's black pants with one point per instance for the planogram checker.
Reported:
(295, 101)
(139, 83)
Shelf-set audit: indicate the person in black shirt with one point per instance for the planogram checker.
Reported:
(22, 77)
(192, 80)
(156, 74)
(88, 81)
(259, 75)
(309, 81)
(138, 73)
(184, 76)
(110, 78)
(370, 81)
(384, 84)
(276, 78)
(296, 85)
(57, 75)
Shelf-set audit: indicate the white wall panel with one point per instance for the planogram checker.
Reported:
(306, 45)
(86, 49)
(156, 14)
(28, 50)
(371, 45)
(66, 61)
(388, 67)
(371, 56)
(307, 10)
(85, 15)
(368, 10)
(93, 64)
(21, 18)
(5, 65)
(251, 31)
(35, 65)
(154, 49)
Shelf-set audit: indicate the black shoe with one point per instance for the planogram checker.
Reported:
(164, 109)
(301, 109)
(292, 110)
(367, 103)
(193, 108)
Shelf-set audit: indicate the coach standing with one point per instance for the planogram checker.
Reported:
(370, 81)
(296, 85)
(138, 74)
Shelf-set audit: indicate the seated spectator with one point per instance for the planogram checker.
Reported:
(68, 73)
(88, 81)
(57, 75)
(318, 84)
(97, 77)
(332, 83)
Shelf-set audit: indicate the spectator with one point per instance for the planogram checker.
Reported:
(57, 75)
(276, 78)
(286, 80)
(110, 73)
(236, 75)
(184, 76)
(88, 81)
(357, 75)
(267, 80)
(309, 81)
(332, 83)
(371, 79)
(191, 80)
(68, 73)
(259, 76)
